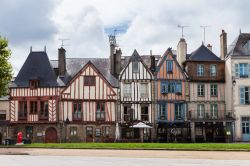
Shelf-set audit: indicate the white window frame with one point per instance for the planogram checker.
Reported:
(144, 90)
(213, 70)
(199, 90)
(213, 90)
(200, 70)
(135, 67)
(127, 90)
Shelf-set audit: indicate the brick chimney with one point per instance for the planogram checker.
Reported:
(61, 61)
(223, 44)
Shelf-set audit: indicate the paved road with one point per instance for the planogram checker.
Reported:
(19, 160)
(75, 157)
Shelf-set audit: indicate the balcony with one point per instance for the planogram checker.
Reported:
(207, 115)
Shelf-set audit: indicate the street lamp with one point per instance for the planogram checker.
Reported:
(66, 122)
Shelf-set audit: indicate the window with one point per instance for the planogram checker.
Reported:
(73, 131)
(100, 111)
(244, 95)
(144, 90)
(33, 107)
(214, 111)
(201, 111)
(33, 84)
(106, 131)
(89, 80)
(135, 67)
(200, 70)
(97, 132)
(89, 131)
(164, 87)
(243, 70)
(22, 110)
(245, 128)
(44, 109)
(29, 132)
(214, 90)
(201, 90)
(171, 87)
(178, 88)
(179, 111)
(77, 111)
(2, 115)
(213, 70)
(128, 115)
(127, 90)
(144, 113)
(169, 66)
(163, 111)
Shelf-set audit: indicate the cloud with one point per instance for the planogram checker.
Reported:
(146, 25)
(27, 20)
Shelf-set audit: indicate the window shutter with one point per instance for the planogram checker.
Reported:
(236, 69)
(242, 95)
(248, 69)
(162, 87)
(182, 111)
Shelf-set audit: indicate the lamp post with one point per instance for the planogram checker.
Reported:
(232, 107)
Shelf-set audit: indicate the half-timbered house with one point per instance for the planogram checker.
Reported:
(135, 98)
(88, 101)
(171, 106)
(34, 97)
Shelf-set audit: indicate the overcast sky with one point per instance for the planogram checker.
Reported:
(142, 24)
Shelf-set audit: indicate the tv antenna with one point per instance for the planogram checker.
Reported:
(204, 31)
(62, 41)
(182, 28)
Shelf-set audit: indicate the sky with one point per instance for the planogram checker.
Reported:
(140, 24)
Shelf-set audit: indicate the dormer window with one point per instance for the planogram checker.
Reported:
(135, 67)
(34, 84)
(247, 47)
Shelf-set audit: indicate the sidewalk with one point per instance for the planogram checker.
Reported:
(217, 155)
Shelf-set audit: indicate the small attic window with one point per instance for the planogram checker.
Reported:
(33, 84)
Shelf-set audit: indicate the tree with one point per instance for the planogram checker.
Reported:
(5, 66)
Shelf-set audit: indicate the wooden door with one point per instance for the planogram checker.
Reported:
(51, 135)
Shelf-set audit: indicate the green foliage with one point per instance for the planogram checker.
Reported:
(5, 66)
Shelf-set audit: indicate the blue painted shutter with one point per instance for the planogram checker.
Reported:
(236, 69)
(249, 70)
(162, 87)
(242, 95)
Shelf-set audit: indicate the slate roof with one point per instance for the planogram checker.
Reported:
(145, 58)
(36, 66)
(203, 54)
(74, 65)
(4, 98)
(236, 48)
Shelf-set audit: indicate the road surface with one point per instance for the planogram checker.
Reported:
(75, 157)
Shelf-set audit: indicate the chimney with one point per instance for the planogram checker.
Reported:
(61, 61)
(152, 63)
(209, 46)
(223, 44)
(118, 54)
(181, 51)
